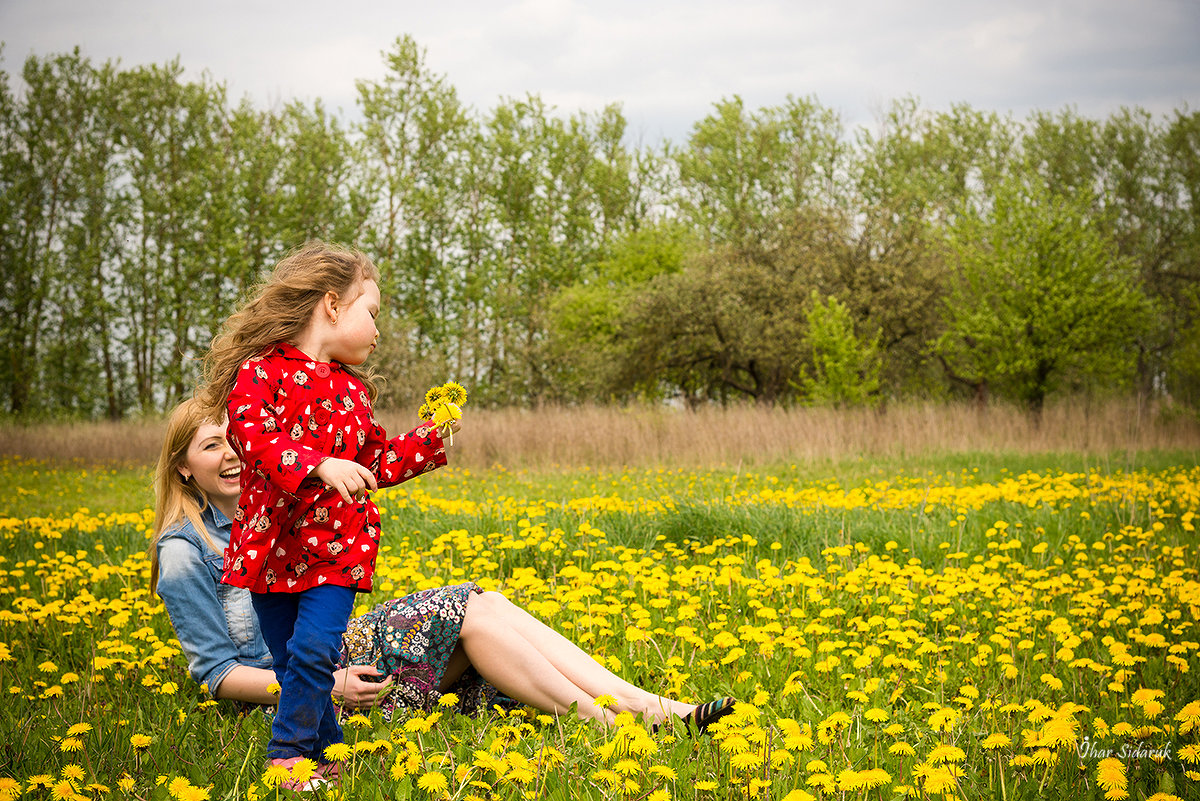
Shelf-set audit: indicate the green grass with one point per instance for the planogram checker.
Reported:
(73, 593)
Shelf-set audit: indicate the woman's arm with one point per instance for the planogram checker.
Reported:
(350, 689)
(245, 683)
(189, 591)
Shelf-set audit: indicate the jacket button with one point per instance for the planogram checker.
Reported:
(322, 371)
(321, 414)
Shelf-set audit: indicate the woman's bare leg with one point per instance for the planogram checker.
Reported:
(514, 667)
(495, 617)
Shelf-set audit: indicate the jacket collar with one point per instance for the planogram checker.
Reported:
(289, 351)
(217, 517)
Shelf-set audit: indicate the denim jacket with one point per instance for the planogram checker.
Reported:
(214, 622)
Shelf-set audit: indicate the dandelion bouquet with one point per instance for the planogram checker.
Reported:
(442, 406)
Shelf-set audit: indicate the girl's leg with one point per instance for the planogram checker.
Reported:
(305, 721)
(491, 616)
(276, 613)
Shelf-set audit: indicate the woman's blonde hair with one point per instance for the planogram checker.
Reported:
(280, 309)
(177, 498)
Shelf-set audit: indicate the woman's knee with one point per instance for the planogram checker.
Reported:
(484, 609)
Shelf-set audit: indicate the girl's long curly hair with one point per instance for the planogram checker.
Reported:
(280, 309)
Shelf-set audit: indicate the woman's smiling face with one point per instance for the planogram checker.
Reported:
(213, 465)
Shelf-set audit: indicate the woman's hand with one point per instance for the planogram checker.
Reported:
(352, 691)
(349, 478)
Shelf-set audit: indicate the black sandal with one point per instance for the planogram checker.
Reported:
(704, 715)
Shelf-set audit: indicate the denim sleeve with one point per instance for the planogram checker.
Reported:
(189, 591)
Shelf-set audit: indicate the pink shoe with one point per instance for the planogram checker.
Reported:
(317, 781)
(329, 771)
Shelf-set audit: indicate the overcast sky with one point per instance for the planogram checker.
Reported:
(665, 62)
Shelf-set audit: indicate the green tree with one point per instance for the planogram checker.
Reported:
(412, 141)
(587, 339)
(1040, 298)
(740, 170)
(845, 367)
(910, 179)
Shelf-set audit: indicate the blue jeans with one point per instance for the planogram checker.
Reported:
(304, 632)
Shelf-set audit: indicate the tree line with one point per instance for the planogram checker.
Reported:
(540, 257)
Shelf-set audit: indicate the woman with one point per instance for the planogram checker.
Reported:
(453, 639)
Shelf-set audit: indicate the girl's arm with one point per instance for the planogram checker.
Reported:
(408, 455)
(258, 436)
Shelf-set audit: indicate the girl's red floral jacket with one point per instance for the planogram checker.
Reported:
(287, 413)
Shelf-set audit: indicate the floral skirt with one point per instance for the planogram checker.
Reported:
(411, 639)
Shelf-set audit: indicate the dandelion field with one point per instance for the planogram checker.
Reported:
(1012, 633)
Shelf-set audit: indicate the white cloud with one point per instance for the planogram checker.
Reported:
(665, 62)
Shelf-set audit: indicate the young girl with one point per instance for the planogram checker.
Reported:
(306, 533)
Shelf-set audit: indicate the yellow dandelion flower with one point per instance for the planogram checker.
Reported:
(63, 790)
(876, 715)
(79, 729)
(705, 786)
(822, 781)
(627, 767)
(1052, 682)
(193, 793)
(940, 780)
(747, 761)
(448, 700)
(433, 782)
(943, 720)
(994, 741)
(70, 744)
(1110, 774)
(275, 774)
(848, 781)
(1189, 717)
(140, 741)
(605, 701)
(337, 752)
(273, 688)
(455, 392)
(946, 753)
(73, 772)
(664, 772)
(178, 785)
(799, 795)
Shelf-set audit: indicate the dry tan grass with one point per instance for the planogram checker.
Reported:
(646, 436)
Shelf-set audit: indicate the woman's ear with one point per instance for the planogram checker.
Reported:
(187, 474)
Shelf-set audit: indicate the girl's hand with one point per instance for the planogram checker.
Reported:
(352, 691)
(349, 478)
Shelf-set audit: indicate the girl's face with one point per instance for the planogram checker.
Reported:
(212, 464)
(355, 333)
